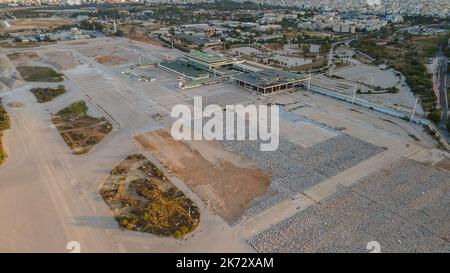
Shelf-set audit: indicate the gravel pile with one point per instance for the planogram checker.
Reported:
(336, 154)
(418, 192)
(405, 208)
(295, 169)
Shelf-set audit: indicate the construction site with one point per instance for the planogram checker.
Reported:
(344, 173)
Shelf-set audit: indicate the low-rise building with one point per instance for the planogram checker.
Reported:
(268, 81)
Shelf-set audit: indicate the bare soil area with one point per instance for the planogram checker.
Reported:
(32, 23)
(80, 131)
(444, 164)
(20, 58)
(16, 104)
(229, 188)
(145, 39)
(39, 74)
(60, 60)
(110, 60)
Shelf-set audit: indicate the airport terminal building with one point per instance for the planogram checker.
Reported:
(268, 81)
(197, 68)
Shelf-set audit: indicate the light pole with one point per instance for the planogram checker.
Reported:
(414, 109)
(309, 80)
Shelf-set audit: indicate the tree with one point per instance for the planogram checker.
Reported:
(434, 116)
(119, 33)
(306, 48)
(448, 125)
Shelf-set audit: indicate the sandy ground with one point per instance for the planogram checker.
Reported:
(60, 60)
(227, 187)
(22, 58)
(49, 196)
(31, 23)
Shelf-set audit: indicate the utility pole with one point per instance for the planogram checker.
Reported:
(354, 93)
(414, 109)
(373, 77)
(140, 60)
(331, 70)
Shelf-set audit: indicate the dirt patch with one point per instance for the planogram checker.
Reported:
(145, 39)
(111, 60)
(39, 74)
(444, 164)
(33, 23)
(143, 199)
(61, 60)
(229, 189)
(16, 104)
(78, 43)
(80, 131)
(18, 44)
(23, 57)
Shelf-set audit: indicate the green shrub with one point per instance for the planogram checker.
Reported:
(77, 108)
(434, 116)
(39, 74)
(3, 155)
(47, 94)
(159, 172)
(5, 123)
(393, 90)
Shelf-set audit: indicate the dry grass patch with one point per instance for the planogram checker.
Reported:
(80, 131)
(143, 199)
(110, 60)
(39, 74)
(18, 44)
(5, 123)
(18, 57)
(47, 94)
(32, 23)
